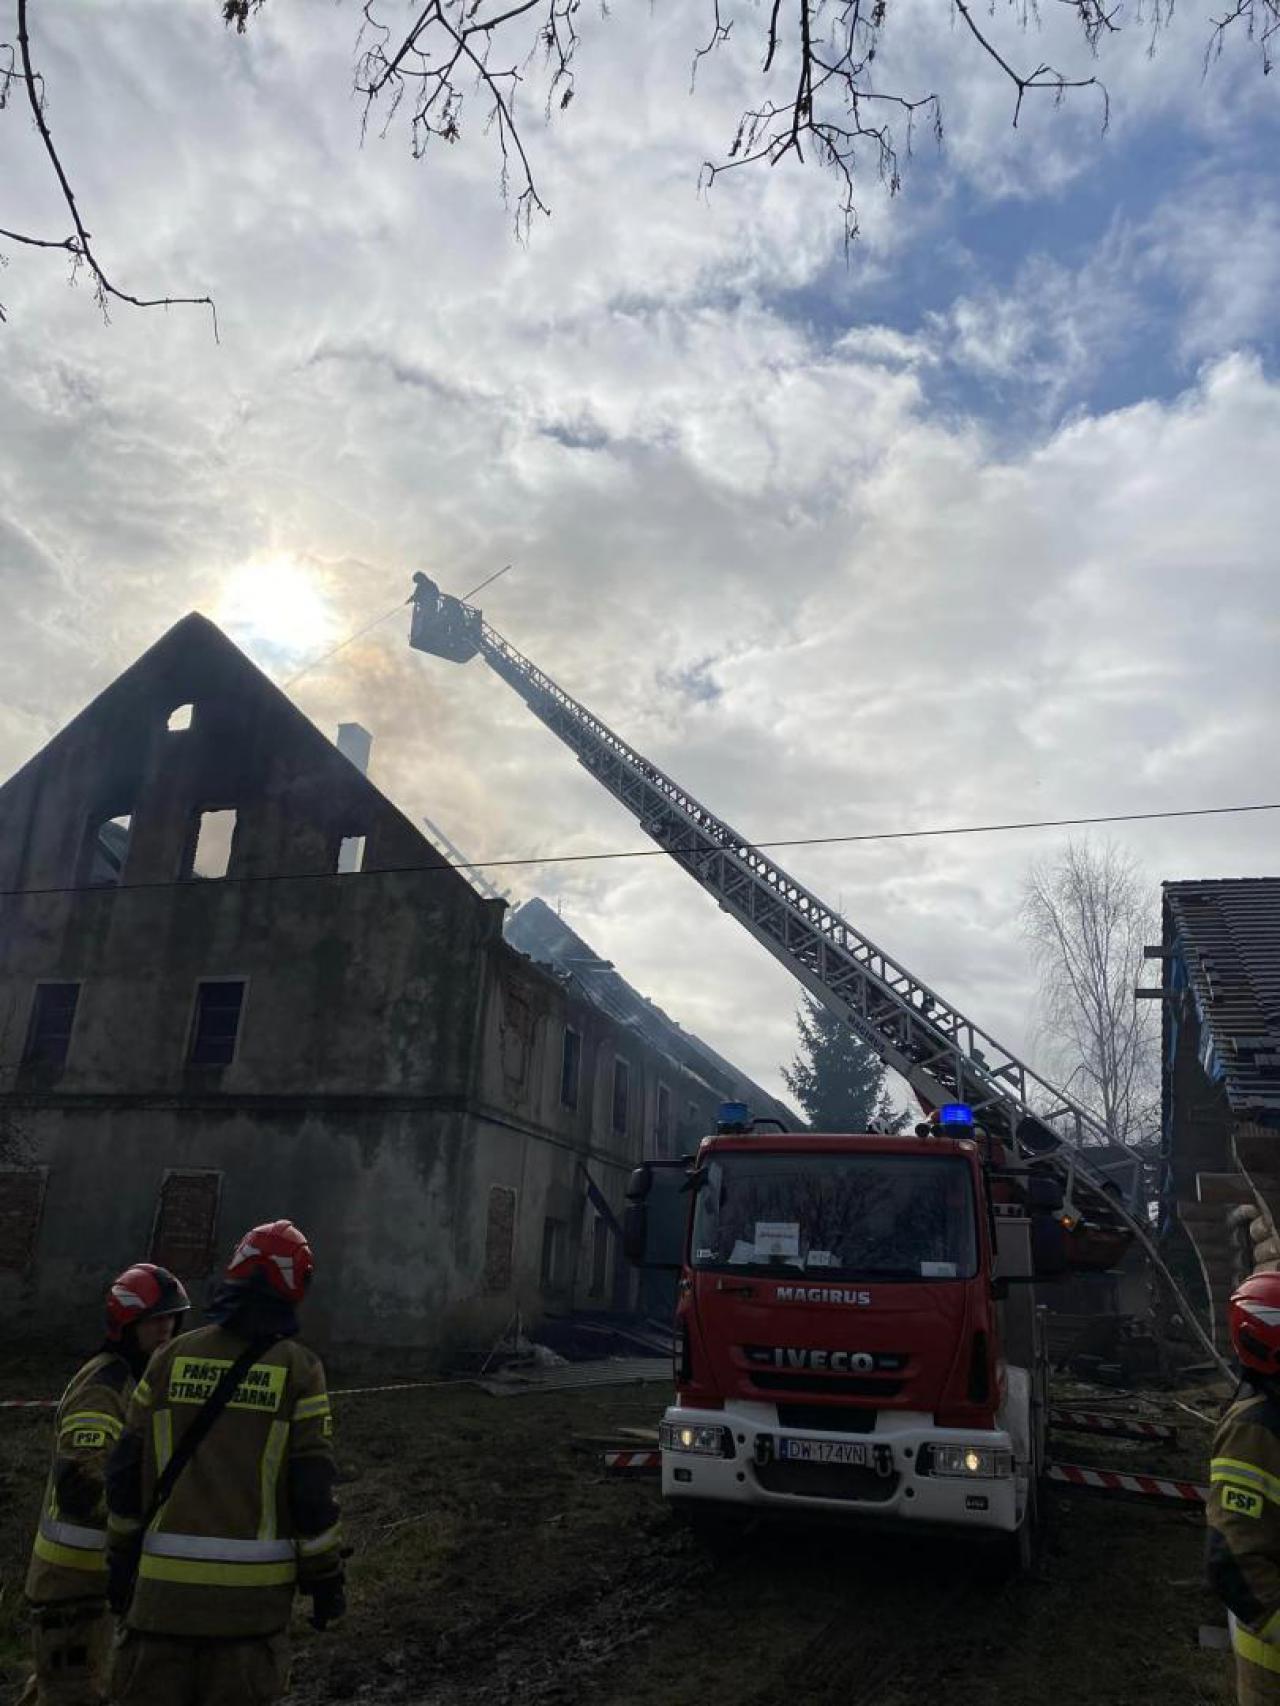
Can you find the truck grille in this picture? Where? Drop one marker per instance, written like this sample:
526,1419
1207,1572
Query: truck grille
828,1418
826,1481
829,1385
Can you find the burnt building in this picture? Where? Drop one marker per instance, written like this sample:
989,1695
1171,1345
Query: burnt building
1220,1145
237,983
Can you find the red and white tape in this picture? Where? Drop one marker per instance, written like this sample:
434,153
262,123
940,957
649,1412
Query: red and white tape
1119,1427
633,1462
1111,1481
29,1403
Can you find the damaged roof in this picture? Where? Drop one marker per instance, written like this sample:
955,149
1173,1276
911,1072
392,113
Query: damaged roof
1226,943
543,936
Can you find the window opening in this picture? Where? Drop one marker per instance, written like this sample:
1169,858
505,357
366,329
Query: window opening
351,853
553,1240
180,718
600,1257
570,1066
108,849
216,1024
621,1089
662,1120
214,837
53,1013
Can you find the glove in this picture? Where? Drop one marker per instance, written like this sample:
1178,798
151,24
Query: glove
328,1600
122,1573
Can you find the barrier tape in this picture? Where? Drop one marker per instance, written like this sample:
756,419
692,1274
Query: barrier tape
29,1403
633,1462
1111,1481
1118,1427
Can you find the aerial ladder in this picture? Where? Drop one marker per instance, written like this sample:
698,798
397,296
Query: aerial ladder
941,1053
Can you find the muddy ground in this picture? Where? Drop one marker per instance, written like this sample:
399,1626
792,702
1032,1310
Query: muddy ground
495,1561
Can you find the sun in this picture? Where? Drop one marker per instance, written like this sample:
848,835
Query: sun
276,605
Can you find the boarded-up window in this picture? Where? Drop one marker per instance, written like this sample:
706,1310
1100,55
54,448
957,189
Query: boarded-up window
187,1223
21,1199
499,1238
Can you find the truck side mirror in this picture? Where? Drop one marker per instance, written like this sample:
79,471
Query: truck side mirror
656,1217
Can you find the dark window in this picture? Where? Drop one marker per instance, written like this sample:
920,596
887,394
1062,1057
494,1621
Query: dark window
662,1120
621,1086
570,1064
499,1238
21,1199
217,1020
600,1257
553,1241
186,1223
53,1013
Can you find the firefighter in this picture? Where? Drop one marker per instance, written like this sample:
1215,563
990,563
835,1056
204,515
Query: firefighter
67,1581
250,1520
1243,1553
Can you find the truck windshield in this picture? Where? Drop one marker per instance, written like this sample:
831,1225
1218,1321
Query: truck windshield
907,1217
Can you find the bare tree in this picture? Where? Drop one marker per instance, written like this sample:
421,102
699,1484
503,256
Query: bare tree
19,78
1087,915
820,92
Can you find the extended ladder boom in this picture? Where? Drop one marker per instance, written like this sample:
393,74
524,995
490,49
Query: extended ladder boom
942,1054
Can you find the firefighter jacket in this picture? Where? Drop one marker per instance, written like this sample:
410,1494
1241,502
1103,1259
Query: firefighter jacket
1243,1550
68,1560
252,1516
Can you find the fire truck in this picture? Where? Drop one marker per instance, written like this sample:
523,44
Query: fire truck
856,1324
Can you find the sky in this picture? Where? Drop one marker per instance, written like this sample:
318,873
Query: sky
971,521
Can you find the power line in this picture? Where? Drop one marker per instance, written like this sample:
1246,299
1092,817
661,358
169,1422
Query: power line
662,852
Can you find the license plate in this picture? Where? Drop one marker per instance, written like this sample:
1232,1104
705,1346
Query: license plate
821,1451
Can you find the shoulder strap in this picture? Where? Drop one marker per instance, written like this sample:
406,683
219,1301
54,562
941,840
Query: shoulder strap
204,1419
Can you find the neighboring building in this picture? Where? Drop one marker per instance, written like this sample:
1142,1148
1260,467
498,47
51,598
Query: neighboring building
1220,1146
236,983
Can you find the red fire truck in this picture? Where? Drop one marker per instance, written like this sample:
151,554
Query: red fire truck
855,1328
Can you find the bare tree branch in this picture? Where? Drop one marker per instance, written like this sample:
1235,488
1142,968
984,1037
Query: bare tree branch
79,246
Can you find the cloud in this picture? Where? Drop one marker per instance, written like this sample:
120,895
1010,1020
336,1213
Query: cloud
846,546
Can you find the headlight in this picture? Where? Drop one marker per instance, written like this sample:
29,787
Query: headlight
970,1462
695,1437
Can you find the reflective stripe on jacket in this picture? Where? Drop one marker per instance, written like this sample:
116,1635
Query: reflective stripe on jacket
1243,1512
253,1512
68,1557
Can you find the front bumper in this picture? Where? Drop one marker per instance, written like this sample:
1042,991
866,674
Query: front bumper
890,1489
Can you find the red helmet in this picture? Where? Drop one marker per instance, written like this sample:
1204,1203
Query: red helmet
280,1253
139,1293
1253,1318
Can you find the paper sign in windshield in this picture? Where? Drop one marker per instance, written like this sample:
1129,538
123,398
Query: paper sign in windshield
777,1238
821,1259
937,1270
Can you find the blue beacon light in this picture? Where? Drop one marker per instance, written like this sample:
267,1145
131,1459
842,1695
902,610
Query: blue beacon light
955,1113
